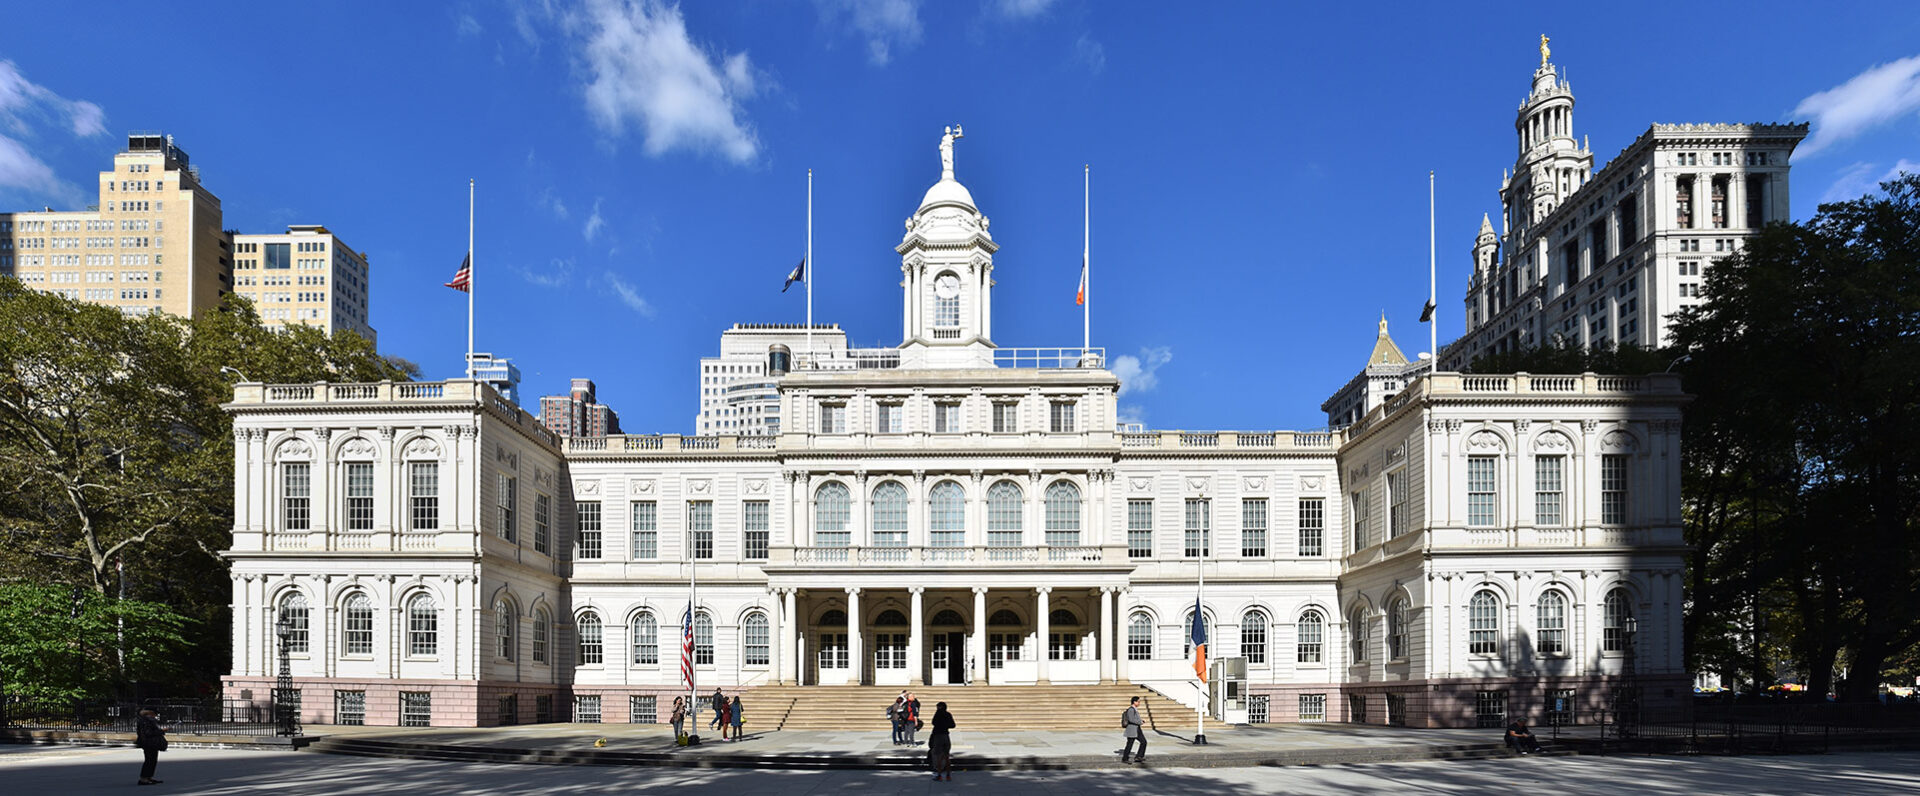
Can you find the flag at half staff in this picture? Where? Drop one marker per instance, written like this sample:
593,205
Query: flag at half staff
799,275
463,278
1426,313
1199,641
686,648
1081,297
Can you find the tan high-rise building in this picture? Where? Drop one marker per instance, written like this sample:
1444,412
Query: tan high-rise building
304,275
153,243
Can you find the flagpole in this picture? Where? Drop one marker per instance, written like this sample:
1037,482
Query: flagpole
806,273
1086,259
469,277
693,622
1200,618
1433,323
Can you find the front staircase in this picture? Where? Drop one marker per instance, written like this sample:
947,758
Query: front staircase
978,707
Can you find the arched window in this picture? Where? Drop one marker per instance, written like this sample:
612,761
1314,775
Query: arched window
890,618
1397,630
540,627
356,631
946,515
834,618
1358,634
1310,637
1061,617
1140,637
592,641
831,508
646,639
703,639
293,613
1006,504
947,617
1553,623
1063,514
1004,618
423,626
1618,613
890,515
1253,636
503,629
946,308
1483,623
758,640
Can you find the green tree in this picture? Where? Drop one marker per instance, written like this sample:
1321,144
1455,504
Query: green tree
64,643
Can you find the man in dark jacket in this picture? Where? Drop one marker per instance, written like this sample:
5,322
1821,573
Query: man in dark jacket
1135,732
151,737
719,703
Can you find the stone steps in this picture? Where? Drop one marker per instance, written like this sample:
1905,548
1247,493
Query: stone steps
984,708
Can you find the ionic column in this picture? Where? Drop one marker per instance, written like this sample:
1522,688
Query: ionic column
1106,634
916,667
789,643
1040,625
854,651
977,646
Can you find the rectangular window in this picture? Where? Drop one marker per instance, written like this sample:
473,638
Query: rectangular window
646,530
1357,708
946,417
1063,646
587,513
350,707
1481,492
1139,528
508,710
754,525
1199,528
1397,710
887,419
542,520
1549,490
1005,417
1560,707
833,418
357,630
1253,528
423,480
1003,647
543,708
643,709
586,709
508,503
700,527
1062,417
1313,526
1396,504
1490,709
1313,707
890,651
1359,512
1613,488
359,478
416,707
296,512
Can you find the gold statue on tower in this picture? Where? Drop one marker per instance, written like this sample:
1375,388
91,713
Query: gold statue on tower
1544,51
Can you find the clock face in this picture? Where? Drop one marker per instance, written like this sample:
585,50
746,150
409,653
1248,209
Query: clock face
947,286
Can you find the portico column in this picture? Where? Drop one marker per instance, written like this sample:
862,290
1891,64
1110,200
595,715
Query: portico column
853,636
1106,634
1120,661
916,667
789,643
1040,625
977,646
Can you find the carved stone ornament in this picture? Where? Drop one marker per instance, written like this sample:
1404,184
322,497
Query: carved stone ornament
1140,483
1552,442
322,434
1396,453
1484,441
386,433
1522,425
1255,483
1618,441
357,447
1453,426
293,449
1589,425
1313,484
757,486
700,487
422,447
1197,482
586,487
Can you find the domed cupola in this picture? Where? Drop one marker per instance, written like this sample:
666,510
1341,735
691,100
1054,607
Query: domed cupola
946,265
947,212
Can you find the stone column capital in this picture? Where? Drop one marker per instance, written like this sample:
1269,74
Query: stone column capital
853,590
979,590
916,590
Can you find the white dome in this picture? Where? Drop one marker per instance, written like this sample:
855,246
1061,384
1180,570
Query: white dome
947,192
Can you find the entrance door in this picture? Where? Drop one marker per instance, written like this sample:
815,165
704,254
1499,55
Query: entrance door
957,658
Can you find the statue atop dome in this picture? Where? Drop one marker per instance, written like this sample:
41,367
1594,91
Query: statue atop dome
946,151
1544,50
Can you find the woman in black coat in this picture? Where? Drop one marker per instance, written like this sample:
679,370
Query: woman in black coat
151,737
940,744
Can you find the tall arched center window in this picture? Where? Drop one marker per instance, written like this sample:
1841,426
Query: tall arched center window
946,518
1553,623
1005,507
1483,624
645,638
356,630
592,640
890,515
1617,614
1140,637
1311,634
1063,514
423,626
294,616
832,506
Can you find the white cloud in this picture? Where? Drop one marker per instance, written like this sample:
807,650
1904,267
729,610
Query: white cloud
594,223
1857,180
553,203
628,295
1131,413
557,273
26,111
466,25
1091,53
1869,99
644,69
20,169
885,24
1022,9
1139,374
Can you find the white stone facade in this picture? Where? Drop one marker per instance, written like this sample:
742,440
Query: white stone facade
957,512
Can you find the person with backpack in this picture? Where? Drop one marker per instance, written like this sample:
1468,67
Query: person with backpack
895,714
1134,730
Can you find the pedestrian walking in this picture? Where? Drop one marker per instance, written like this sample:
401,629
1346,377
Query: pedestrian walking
737,719
896,714
1134,731
151,736
719,701
940,744
912,725
679,719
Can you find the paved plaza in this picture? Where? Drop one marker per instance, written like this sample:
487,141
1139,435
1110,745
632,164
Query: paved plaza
71,771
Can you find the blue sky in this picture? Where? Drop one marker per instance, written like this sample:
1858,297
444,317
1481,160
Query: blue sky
1259,169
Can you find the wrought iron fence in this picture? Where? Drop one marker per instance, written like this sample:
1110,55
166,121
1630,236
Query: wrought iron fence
1786,728
212,716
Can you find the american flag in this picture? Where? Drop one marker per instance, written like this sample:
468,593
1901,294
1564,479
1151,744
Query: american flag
463,279
686,648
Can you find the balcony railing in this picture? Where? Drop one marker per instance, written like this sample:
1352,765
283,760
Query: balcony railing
666,443
1521,384
908,557
1229,440
889,358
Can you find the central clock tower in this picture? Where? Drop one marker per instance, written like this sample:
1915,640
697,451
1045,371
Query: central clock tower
946,266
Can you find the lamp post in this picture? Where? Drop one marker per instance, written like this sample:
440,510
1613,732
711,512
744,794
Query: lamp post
286,714
1626,697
